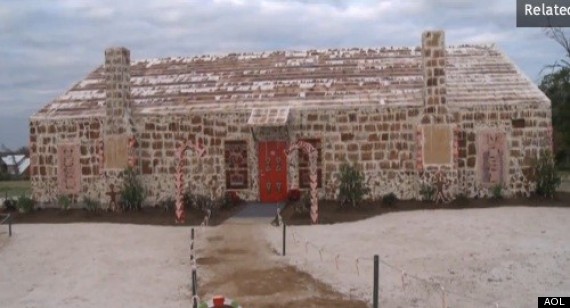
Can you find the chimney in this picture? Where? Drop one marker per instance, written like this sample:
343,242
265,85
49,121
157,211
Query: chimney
117,90
433,51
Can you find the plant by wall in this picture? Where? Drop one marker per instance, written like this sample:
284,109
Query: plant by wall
427,192
497,192
132,192
25,204
547,177
64,202
389,200
303,205
352,186
91,205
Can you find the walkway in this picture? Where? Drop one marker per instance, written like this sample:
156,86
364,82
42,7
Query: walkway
240,265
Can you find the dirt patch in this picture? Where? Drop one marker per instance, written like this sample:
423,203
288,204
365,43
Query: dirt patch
207,261
230,251
146,216
330,212
250,273
215,238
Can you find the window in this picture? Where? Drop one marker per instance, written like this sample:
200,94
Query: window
304,169
235,155
437,145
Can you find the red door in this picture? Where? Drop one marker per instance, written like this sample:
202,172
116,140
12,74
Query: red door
272,171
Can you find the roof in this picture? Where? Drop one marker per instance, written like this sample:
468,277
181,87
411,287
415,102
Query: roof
12,160
476,74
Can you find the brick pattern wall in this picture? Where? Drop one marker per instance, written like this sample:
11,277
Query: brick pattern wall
45,136
117,90
381,140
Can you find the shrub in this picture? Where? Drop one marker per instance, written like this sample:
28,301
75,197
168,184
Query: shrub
10,205
132,192
547,177
497,192
294,195
91,205
352,185
389,200
427,192
303,204
64,202
25,204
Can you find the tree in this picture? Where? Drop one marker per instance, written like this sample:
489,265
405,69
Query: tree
556,85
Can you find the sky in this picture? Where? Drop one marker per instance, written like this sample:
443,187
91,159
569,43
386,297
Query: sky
48,46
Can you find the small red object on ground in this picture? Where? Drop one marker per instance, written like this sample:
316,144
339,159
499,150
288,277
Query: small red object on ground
219,301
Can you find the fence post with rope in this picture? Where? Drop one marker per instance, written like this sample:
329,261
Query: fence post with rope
194,276
376,281
284,238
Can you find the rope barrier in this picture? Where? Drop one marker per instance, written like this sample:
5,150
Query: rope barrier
404,276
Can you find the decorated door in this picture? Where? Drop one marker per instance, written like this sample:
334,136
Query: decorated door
272,171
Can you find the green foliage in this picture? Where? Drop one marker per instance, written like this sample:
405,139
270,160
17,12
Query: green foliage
352,185
303,205
25,204
547,177
427,192
91,205
64,202
389,200
497,192
132,192
556,86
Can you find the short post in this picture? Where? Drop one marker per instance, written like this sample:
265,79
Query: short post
192,234
284,232
9,225
376,284
194,289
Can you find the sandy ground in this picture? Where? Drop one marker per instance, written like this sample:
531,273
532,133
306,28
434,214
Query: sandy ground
508,256
235,260
94,265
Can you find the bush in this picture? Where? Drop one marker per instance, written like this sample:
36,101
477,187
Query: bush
427,192
497,192
303,204
10,205
25,204
91,205
547,177
389,200
132,193
64,202
352,185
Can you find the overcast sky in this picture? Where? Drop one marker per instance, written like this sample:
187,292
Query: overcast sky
47,46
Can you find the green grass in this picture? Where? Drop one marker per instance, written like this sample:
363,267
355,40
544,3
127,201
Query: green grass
14,188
